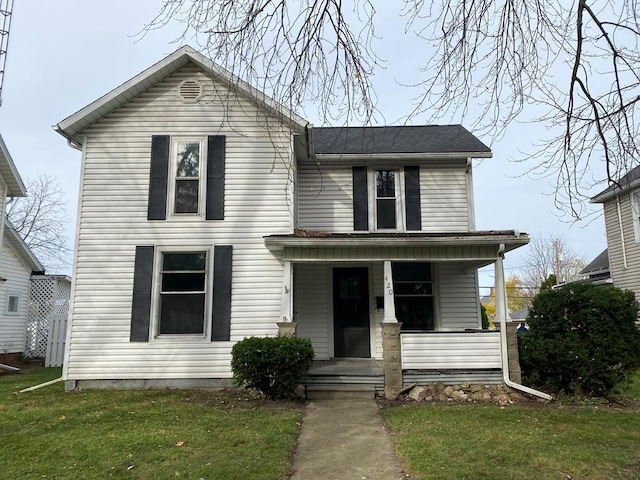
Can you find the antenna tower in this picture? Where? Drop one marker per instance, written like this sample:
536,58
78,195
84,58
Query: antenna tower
5,22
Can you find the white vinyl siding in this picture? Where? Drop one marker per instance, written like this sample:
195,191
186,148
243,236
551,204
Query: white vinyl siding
325,198
623,277
12,325
457,297
312,308
444,202
113,221
450,350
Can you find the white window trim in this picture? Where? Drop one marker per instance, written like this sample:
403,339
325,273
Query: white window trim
157,286
635,209
202,187
400,199
12,293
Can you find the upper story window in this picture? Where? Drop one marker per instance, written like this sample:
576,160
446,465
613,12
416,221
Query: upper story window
188,178
386,203
386,199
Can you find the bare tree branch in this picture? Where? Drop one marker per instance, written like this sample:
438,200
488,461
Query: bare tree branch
573,67
41,220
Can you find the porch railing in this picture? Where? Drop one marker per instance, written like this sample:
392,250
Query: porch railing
451,350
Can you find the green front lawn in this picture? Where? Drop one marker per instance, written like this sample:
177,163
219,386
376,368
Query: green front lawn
517,442
149,434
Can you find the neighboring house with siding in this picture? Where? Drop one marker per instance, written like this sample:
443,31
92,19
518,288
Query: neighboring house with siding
208,213
621,203
17,264
11,186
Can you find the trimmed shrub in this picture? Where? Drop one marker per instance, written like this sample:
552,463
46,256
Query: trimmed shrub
273,365
582,339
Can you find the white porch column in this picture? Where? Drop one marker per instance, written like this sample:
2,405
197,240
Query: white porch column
286,325
501,292
389,302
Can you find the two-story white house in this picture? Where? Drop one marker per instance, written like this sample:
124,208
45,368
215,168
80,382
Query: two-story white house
208,214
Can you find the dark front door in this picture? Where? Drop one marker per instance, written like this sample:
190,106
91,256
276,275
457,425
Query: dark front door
351,312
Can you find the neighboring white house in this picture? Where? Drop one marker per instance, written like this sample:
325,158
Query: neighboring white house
11,185
208,214
621,203
17,264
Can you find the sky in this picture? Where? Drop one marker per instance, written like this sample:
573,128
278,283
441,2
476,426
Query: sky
63,55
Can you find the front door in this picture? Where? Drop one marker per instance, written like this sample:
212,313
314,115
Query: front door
351,312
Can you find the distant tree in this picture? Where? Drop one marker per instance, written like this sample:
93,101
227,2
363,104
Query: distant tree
517,297
41,220
485,316
548,282
550,259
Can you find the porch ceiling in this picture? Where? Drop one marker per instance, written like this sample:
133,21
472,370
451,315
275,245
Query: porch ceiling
474,248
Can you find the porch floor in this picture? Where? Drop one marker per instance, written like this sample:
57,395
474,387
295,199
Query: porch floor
367,367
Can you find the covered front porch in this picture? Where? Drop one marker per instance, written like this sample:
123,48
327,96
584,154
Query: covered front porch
407,303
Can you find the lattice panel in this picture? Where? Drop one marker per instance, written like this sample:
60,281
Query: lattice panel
48,303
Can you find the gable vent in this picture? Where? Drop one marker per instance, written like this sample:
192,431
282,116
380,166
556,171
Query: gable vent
190,91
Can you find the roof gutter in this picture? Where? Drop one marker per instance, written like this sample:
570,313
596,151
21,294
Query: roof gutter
70,140
402,156
501,310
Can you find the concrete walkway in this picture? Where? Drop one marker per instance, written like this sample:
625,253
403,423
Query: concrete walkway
344,440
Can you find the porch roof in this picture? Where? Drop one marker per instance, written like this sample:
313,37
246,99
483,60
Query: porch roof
477,248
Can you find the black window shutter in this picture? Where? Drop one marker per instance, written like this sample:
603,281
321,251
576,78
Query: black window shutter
215,177
141,304
360,199
412,194
157,208
222,268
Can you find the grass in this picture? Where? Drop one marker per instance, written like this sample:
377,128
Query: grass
150,434
630,390
518,442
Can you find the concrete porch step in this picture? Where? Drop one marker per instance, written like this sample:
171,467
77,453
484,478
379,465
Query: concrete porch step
340,392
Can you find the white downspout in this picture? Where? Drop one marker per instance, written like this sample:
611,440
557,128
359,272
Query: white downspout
624,248
501,312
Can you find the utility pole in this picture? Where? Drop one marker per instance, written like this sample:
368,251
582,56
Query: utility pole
6,6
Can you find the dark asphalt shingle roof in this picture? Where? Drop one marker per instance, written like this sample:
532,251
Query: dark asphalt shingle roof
624,182
400,139
599,264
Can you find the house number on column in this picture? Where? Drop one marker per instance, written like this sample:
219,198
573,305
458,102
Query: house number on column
388,285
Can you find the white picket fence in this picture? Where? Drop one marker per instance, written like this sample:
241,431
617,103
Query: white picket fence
47,318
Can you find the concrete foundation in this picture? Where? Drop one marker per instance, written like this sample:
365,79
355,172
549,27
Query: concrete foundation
145,384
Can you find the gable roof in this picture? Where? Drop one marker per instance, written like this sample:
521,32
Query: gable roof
71,126
9,173
629,181
440,140
23,251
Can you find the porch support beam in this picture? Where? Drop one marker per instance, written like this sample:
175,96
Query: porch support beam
389,301
286,326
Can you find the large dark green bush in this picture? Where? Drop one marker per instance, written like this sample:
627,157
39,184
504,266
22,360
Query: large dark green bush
274,365
582,339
